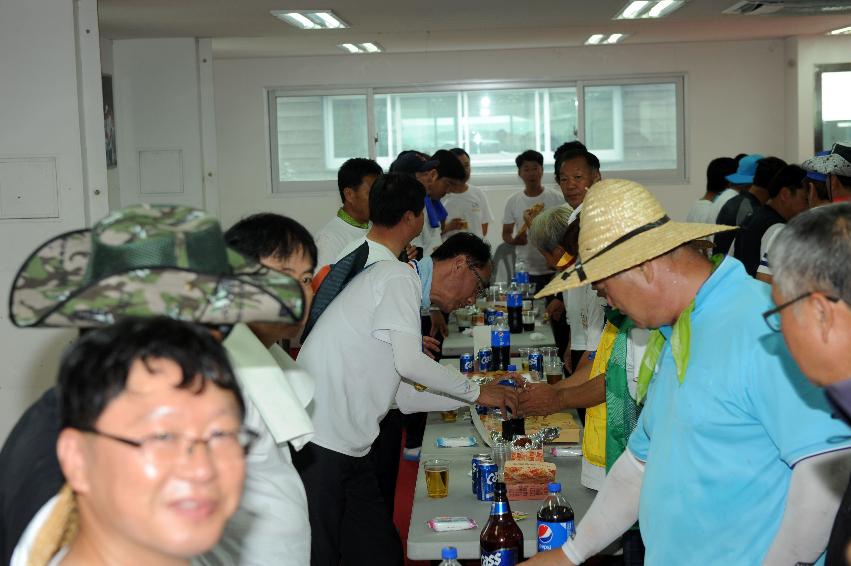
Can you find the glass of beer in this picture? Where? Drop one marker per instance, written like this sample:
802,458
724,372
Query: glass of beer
553,369
524,359
449,416
437,477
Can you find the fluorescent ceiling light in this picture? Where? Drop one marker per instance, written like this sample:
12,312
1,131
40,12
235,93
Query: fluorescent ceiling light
601,38
632,10
840,31
310,19
640,9
369,47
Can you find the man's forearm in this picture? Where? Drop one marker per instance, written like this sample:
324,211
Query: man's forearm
814,496
588,394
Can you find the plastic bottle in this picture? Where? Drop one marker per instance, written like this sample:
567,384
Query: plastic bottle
514,301
555,520
500,344
501,541
449,556
513,426
520,273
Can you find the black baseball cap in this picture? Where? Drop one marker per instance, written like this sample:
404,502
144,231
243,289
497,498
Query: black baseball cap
410,161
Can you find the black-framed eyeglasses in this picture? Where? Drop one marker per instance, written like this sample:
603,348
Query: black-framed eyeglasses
481,286
166,448
772,317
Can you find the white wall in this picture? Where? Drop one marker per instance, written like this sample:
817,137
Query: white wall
41,130
734,103
803,54
158,120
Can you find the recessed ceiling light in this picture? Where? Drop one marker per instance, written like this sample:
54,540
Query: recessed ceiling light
601,38
840,31
310,19
639,9
369,47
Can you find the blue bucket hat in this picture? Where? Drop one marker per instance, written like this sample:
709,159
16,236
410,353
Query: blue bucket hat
747,167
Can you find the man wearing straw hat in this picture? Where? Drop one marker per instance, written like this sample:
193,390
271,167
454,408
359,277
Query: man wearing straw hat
141,261
730,427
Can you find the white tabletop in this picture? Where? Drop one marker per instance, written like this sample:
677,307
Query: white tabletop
425,544
456,343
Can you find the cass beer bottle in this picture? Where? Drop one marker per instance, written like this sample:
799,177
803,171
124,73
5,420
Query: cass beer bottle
502,540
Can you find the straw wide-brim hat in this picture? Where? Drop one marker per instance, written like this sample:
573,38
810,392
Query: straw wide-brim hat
622,225
148,260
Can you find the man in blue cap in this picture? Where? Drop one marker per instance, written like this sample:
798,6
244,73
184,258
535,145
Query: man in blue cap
758,172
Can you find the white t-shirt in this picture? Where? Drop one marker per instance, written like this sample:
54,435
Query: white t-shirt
350,348
702,212
517,204
765,248
271,525
429,239
377,252
472,206
333,237
26,544
586,317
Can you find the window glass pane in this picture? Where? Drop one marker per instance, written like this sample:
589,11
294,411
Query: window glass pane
562,116
316,134
632,127
835,109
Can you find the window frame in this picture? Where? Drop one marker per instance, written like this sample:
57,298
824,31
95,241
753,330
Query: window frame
678,175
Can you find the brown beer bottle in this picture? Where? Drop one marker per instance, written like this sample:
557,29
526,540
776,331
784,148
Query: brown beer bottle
501,541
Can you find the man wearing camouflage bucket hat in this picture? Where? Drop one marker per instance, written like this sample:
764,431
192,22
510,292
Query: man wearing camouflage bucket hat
731,436
141,261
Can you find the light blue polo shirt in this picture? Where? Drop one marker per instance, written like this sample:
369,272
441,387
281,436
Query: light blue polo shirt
720,447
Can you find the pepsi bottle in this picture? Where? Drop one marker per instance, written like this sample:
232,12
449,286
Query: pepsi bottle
500,345
555,520
514,300
501,541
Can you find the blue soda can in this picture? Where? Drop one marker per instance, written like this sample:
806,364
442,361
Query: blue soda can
474,466
466,362
486,480
490,317
536,362
485,356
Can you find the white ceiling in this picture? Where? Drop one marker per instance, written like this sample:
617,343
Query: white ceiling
245,28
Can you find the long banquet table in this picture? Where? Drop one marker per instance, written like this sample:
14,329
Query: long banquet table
425,544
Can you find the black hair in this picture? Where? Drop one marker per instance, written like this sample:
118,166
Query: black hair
459,151
394,194
529,155
478,251
574,145
94,369
790,176
766,169
739,157
716,173
570,240
448,165
351,173
267,234
820,188
843,180
572,153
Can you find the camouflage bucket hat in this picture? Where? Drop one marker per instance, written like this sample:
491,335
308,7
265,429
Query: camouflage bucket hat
148,260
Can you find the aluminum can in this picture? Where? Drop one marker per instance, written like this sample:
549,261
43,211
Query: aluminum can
484,357
486,480
490,317
536,362
474,466
466,362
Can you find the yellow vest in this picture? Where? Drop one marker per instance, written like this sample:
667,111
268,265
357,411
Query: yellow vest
594,438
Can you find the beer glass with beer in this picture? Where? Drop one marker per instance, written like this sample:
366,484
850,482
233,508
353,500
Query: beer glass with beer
437,477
